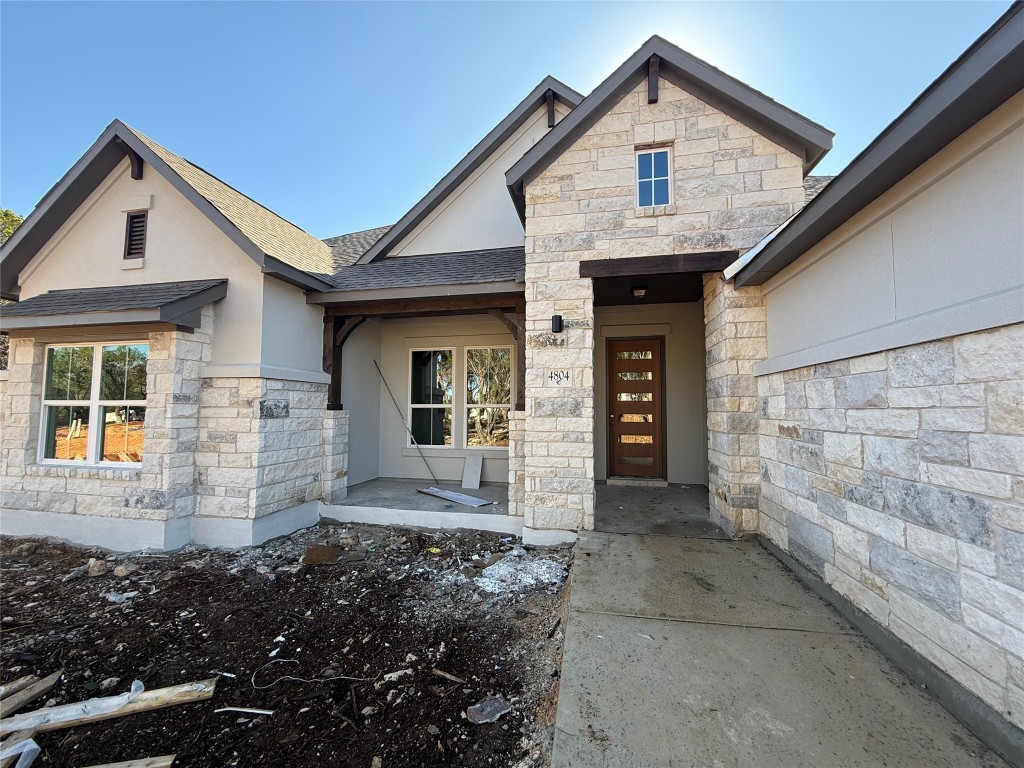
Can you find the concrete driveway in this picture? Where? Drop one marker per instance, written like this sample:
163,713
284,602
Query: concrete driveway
702,652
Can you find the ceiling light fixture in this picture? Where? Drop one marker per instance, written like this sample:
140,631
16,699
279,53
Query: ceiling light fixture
639,291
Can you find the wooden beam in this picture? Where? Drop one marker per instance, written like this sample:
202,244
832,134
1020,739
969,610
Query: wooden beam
134,158
329,331
350,324
508,323
713,261
549,98
447,305
652,79
27,695
164,761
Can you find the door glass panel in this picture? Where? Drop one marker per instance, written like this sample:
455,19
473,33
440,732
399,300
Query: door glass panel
635,376
123,433
636,439
634,397
643,354
636,418
68,373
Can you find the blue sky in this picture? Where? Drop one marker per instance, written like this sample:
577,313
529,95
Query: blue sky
339,116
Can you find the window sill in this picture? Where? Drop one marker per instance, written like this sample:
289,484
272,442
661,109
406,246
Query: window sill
457,453
89,472
133,263
655,210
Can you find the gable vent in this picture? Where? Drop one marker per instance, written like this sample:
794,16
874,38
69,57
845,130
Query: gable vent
135,236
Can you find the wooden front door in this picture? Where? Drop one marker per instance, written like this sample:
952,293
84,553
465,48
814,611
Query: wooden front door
636,407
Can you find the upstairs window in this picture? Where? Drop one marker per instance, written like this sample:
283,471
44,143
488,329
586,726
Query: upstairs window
94,404
135,235
652,178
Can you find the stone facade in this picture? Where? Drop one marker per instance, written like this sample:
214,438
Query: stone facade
516,462
735,338
899,478
215,449
731,187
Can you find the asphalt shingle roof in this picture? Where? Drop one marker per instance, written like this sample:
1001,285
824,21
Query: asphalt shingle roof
346,249
275,236
73,301
463,268
813,186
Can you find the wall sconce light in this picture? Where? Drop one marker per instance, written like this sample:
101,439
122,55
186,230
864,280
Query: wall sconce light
556,323
639,291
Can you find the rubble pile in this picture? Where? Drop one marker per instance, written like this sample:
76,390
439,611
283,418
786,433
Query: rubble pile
355,645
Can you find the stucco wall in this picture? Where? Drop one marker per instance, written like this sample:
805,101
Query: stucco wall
730,186
682,325
899,478
292,334
361,396
479,213
940,254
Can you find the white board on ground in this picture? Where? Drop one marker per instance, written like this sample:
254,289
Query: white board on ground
471,472
458,498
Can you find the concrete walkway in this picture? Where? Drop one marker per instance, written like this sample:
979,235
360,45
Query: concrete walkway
697,652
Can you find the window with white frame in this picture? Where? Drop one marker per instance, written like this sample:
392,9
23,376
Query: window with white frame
431,398
94,403
488,396
652,178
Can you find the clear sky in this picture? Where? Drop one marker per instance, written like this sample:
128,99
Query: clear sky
339,116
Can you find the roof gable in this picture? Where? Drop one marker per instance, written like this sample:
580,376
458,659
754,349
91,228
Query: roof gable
686,71
276,245
476,157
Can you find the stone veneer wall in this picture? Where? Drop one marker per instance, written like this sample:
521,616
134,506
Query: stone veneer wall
261,446
163,489
516,462
899,478
735,328
334,474
731,187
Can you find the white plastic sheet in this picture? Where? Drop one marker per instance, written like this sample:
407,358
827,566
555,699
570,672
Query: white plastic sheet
65,712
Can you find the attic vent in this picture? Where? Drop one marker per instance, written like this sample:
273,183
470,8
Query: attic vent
135,236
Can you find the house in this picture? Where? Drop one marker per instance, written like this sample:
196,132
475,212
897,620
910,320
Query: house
628,287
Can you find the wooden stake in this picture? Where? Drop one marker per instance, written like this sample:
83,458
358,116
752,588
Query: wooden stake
16,701
146,702
17,685
164,761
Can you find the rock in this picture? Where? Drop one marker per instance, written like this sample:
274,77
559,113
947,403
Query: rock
321,554
376,763
433,730
28,548
109,683
127,569
368,711
97,567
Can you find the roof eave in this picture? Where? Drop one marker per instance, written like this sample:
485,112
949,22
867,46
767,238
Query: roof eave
473,160
341,297
980,80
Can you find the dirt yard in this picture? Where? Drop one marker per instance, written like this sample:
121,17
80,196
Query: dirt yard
370,661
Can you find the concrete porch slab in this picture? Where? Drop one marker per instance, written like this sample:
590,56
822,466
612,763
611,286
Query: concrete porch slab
683,652
674,510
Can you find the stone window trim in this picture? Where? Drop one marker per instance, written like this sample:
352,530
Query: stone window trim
459,406
95,403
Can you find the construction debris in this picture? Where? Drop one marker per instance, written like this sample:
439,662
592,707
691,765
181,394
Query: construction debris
378,652
29,693
488,710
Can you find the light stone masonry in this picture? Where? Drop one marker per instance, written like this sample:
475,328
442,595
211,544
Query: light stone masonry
730,188
908,498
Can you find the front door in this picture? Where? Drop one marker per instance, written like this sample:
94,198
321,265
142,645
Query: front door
636,403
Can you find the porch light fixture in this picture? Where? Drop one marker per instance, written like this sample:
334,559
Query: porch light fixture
556,323
639,291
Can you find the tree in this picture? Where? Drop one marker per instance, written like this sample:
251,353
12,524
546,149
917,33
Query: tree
9,222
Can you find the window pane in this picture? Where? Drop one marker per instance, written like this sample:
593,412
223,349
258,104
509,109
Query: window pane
122,437
646,195
489,376
643,354
432,426
67,433
634,397
660,164
123,372
432,377
68,373
643,166
487,427
661,192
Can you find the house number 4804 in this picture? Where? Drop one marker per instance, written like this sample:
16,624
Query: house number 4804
559,377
